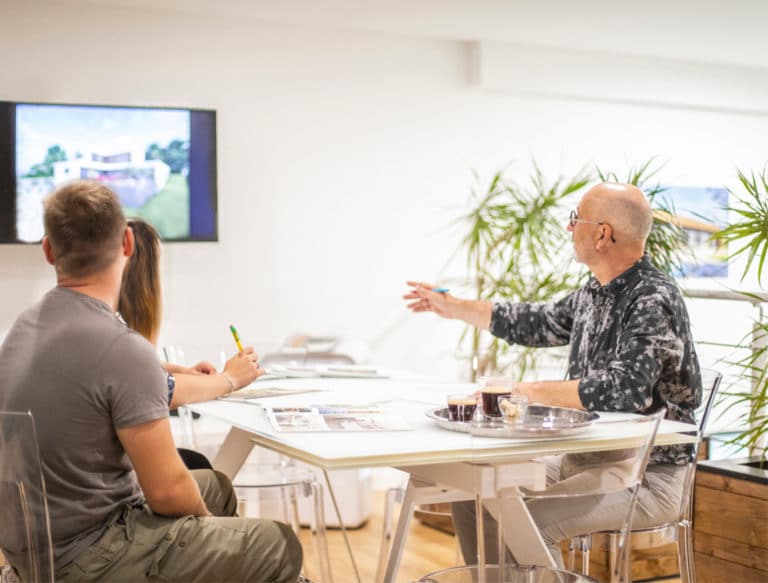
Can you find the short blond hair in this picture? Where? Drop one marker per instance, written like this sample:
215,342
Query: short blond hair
85,225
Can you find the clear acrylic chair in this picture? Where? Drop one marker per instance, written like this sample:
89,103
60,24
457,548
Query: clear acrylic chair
679,531
526,508
25,534
291,481
510,574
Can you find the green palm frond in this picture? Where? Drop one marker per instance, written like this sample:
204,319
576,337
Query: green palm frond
751,230
514,244
750,235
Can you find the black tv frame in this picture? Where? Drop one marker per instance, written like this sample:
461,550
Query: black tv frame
207,158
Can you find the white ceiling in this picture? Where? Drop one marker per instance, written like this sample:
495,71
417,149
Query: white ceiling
719,31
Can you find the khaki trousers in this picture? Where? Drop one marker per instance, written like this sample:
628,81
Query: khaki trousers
141,546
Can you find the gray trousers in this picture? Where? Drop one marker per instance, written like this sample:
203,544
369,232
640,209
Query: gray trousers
141,546
558,519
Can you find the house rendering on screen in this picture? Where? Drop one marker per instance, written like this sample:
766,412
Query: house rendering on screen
134,179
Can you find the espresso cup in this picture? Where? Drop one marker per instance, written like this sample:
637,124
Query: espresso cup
493,388
461,407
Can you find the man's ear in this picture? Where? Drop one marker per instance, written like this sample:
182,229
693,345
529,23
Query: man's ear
128,242
48,250
605,235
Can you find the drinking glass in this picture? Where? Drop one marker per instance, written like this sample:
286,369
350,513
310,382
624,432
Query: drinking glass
461,407
492,389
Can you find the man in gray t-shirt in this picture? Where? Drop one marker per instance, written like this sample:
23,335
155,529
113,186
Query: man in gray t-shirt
83,375
122,505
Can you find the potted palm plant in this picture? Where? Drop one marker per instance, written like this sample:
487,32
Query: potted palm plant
750,234
731,498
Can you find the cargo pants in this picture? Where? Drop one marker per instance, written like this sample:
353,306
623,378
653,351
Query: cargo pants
141,546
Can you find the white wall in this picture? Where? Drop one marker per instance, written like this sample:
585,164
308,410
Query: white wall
342,158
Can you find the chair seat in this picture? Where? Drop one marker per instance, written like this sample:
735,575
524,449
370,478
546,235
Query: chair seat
656,536
512,574
270,476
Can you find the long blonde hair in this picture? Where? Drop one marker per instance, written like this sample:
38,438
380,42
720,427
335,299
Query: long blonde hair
140,302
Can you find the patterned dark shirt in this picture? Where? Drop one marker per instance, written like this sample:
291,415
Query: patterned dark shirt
631,345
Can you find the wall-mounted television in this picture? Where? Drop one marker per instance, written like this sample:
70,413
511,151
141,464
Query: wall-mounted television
161,162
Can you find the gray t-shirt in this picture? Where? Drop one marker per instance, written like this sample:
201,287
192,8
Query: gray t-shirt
83,374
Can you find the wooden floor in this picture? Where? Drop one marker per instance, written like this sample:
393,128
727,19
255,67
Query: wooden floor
426,550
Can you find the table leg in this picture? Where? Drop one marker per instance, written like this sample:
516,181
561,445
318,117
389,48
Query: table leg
520,533
393,496
417,492
483,482
480,533
401,533
233,452
341,524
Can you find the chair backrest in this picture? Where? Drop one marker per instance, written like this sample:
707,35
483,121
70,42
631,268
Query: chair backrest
25,531
600,472
625,465
710,382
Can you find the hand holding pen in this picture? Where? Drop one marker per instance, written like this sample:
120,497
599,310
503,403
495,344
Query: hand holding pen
430,298
243,368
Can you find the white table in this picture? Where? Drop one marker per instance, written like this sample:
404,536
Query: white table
442,464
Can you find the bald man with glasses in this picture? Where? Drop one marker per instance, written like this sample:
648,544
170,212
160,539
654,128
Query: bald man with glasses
631,350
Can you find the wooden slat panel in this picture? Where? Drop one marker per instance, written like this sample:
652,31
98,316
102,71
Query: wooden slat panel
441,522
729,550
712,570
731,516
742,487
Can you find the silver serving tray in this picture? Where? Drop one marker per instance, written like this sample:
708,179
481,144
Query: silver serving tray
539,421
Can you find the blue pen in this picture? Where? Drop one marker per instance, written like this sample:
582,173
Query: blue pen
441,290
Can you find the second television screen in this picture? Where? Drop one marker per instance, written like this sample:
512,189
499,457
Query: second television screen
143,154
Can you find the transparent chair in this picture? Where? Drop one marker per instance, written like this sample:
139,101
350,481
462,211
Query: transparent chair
510,574
679,531
290,480
529,501
25,535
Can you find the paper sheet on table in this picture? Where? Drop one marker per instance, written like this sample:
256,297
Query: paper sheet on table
252,393
351,371
307,419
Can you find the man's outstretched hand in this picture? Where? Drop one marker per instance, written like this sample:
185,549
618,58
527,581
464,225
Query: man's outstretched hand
426,300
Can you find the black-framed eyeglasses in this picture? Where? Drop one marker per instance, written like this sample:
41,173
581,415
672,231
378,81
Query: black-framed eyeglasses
573,218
